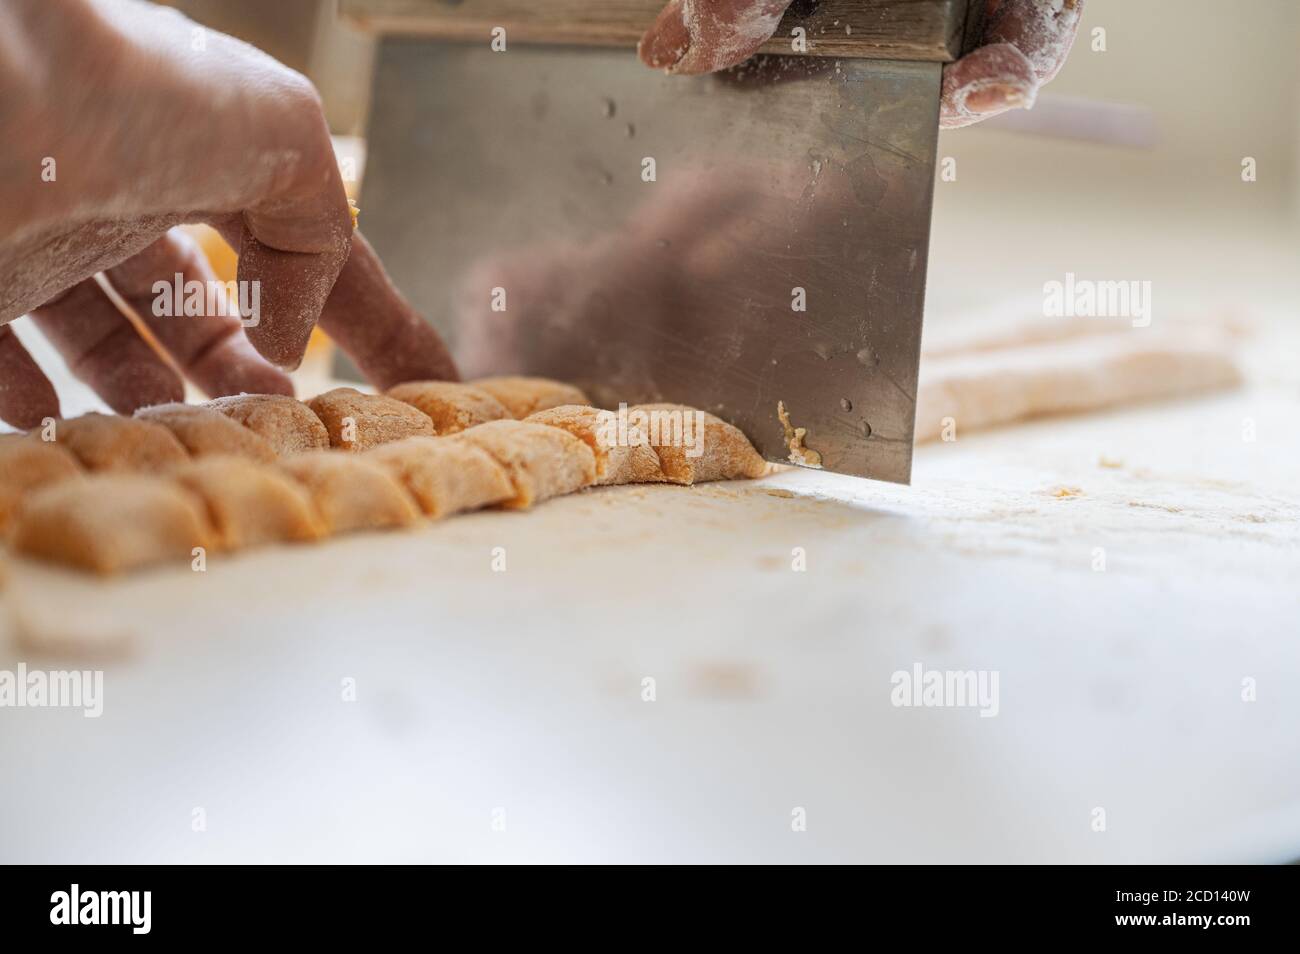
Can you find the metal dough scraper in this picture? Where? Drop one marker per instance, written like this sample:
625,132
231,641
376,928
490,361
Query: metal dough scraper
753,242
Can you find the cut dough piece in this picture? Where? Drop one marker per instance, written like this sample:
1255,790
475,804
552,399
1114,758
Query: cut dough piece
523,396
288,425
444,476
357,421
622,449
695,446
250,504
204,431
351,492
111,522
106,442
451,406
541,461
29,465
1000,387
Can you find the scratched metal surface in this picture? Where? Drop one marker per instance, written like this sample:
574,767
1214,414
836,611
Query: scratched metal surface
525,172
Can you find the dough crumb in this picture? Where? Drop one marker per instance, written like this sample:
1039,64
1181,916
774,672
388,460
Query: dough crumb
799,454
779,492
1067,492
1110,463
1154,506
724,679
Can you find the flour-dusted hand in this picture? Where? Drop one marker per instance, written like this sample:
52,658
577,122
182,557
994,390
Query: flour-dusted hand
1024,45
122,120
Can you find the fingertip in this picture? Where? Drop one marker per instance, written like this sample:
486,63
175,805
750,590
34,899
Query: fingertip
135,384
986,82
287,291
233,367
26,395
383,334
666,42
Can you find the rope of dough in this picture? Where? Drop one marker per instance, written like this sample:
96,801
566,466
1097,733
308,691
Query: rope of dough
110,494
1010,379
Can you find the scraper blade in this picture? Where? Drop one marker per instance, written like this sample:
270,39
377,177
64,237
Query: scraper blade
753,243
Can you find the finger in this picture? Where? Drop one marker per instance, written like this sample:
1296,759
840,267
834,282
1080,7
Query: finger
699,36
163,285
1026,43
1043,30
26,395
985,82
103,349
377,327
293,282
294,240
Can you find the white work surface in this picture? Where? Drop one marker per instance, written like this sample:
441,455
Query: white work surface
478,690
517,695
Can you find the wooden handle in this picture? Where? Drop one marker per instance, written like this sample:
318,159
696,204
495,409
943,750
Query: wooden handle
931,30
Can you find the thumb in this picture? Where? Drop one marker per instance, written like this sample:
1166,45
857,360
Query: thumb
699,36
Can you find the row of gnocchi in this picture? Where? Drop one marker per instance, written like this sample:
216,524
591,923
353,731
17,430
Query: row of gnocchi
108,494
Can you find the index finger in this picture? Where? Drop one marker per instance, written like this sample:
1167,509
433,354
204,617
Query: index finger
369,319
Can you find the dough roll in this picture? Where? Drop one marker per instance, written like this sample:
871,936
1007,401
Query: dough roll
236,491
541,461
357,421
351,491
203,431
27,465
451,405
622,449
695,446
106,442
983,390
288,425
108,523
445,476
249,504
523,396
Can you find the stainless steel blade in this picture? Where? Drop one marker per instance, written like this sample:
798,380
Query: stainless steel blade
729,241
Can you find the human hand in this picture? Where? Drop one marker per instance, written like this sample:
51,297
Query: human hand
122,120
1025,43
